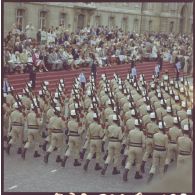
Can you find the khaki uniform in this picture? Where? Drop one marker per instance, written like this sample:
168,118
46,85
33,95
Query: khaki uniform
143,109
6,118
49,114
136,142
87,103
151,129
160,145
33,124
56,126
157,105
108,111
26,101
168,119
127,116
17,127
154,99
114,135
173,135
10,99
146,119
185,147
182,114
126,107
74,142
185,122
95,134
159,111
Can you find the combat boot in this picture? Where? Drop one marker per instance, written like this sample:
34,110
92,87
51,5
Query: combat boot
58,159
44,135
94,155
46,157
124,161
97,167
115,171
8,148
104,169
64,161
19,151
24,153
150,178
105,156
123,149
137,175
44,146
36,154
85,167
125,174
77,163
82,154
143,166
165,168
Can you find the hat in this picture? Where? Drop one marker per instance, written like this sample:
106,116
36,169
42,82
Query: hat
171,82
46,82
94,115
175,120
89,93
145,99
152,115
134,84
15,105
160,125
159,95
152,85
56,95
40,92
186,128
130,105
189,112
5,95
120,87
166,89
61,81
168,109
109,102
181,90
55,101
76,105
191,88
133,112
148,108
183,104
171,92
58,108
72,113
114,117
137,122
32,106
176,98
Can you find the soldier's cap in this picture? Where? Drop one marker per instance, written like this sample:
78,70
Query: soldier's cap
109,102
120,86
134,84
171,82
176,86
176,98
133,112
20,96
181,79
191,88
161,84
152,115
94,115
145,99
32,106
152,85
189,112
56,95
160,125
159,95
73,113
130,105
89,93
153,76
148,108
59,89
61,84
181,90
5,95
76,105
40,92
61,81
15,105
171,92
168,109
166,89
175,120
46,82
44,87
55,101
57,108
114,117
186,128
137,122
183,104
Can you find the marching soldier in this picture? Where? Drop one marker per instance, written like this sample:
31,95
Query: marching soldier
95,134
56,126
173,134
160,144
151,129
74,143
17,128
185,147
136,142
34,121
114,135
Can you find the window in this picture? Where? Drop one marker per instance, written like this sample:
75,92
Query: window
124,24
20,18
135,25
63,19
150,26
97,21
111,22
165,7
171,27
43,19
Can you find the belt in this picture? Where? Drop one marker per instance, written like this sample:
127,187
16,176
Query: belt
134,144
114,139
16,124
73,133
150,136
95,137
33,127
57,131
185,153
159,148
173,142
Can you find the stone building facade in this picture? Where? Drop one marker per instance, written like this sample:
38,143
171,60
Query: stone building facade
138,17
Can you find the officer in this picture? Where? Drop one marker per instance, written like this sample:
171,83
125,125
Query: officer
74,143
151,129
168,119
95,135
185,147
160,144
187,120
17,128
34,121
173,134
136,142
56,126
114,135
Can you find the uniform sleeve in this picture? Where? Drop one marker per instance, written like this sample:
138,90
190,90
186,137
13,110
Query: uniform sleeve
120,136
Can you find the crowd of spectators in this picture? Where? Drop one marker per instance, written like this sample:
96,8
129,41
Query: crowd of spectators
56,48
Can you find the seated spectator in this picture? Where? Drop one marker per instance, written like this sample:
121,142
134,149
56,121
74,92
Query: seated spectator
54,60
63,57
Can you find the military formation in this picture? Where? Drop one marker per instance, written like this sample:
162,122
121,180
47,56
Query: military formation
124,122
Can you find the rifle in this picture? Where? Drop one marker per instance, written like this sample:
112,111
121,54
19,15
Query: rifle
188,123
77,114
163,125
171,106
179,124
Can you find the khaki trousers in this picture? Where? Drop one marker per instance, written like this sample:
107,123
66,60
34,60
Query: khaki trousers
149,148
17,134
